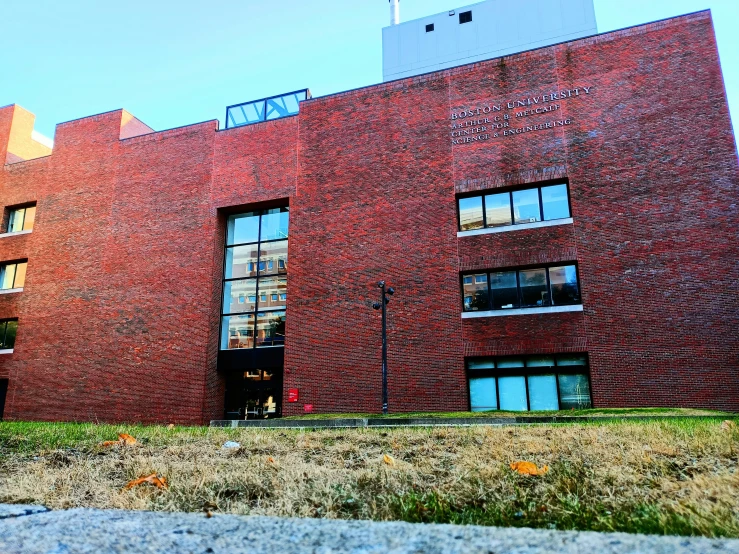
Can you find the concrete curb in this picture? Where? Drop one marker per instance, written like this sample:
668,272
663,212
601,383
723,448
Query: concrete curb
91,531
356,423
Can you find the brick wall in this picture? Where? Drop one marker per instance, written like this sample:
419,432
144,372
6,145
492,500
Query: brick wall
120,312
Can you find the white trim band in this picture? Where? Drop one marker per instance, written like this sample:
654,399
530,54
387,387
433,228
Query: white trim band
7,351
8,291
3,235
519,227
524,311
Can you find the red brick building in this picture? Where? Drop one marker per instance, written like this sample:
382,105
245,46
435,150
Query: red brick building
559,227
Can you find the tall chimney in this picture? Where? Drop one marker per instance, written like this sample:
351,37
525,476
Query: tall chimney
394,12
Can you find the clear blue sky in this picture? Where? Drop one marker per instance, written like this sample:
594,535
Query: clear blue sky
174,63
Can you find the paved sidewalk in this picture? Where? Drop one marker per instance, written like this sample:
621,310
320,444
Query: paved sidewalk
24,530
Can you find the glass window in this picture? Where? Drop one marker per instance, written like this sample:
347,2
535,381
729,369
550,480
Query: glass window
8,331
237,331
470,213
468,280
540,361
509,362
272,251
574,359
526,206
275,224
476,294
498,209
512,392
235,294
565,289
271,287
504,289
533,288
543,392
270,329
483,394
241,261
242,228
555,202
7,276
574,392
21,219
486,363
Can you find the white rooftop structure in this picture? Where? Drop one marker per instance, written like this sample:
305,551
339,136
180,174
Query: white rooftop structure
489,29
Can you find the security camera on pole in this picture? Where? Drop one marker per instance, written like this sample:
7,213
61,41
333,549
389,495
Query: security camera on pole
377,305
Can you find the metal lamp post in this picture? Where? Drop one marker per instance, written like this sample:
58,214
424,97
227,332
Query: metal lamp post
377,305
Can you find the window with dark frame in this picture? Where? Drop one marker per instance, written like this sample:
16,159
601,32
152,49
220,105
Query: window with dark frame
523,383
8,331
514,207
13,275
505,289
465,17
429,27
21,218
254,241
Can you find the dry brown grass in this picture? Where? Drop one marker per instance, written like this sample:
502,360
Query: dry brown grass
674,477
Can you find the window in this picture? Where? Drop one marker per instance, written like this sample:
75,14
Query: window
514,207
13,275
254,286
553,382
8,330
521,288
21,219
465,17
429,27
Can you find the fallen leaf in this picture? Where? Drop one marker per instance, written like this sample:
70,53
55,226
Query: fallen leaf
727,425
529,468
153,479
170,426
123,440
271,460
388,460
126,439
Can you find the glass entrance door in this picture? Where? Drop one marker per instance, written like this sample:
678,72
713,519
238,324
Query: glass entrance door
254,394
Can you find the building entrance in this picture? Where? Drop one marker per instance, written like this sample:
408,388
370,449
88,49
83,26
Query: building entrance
254,394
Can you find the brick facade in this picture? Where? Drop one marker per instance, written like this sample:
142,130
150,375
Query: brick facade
119,316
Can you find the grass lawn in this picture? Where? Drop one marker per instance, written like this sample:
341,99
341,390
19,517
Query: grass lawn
674,477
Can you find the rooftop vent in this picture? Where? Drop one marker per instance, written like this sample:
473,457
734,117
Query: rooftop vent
265,109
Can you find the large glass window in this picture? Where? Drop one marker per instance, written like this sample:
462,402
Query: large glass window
21,219
521,288
514,207
13,276
255,279
541,383
8,330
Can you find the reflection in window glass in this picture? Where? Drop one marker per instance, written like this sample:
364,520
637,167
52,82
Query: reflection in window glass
509,362
274,257
555,203
8,330
270,329
483,394
498,209
540,361
565,289
543,392
526,206
504,289
275,224
485,363
533,288
7,276
512,391
237,331
470,213
242,228
235,294
574,359
476,293
241,261
574,392
269,292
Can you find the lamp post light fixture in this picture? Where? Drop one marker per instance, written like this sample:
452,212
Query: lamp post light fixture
377,305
